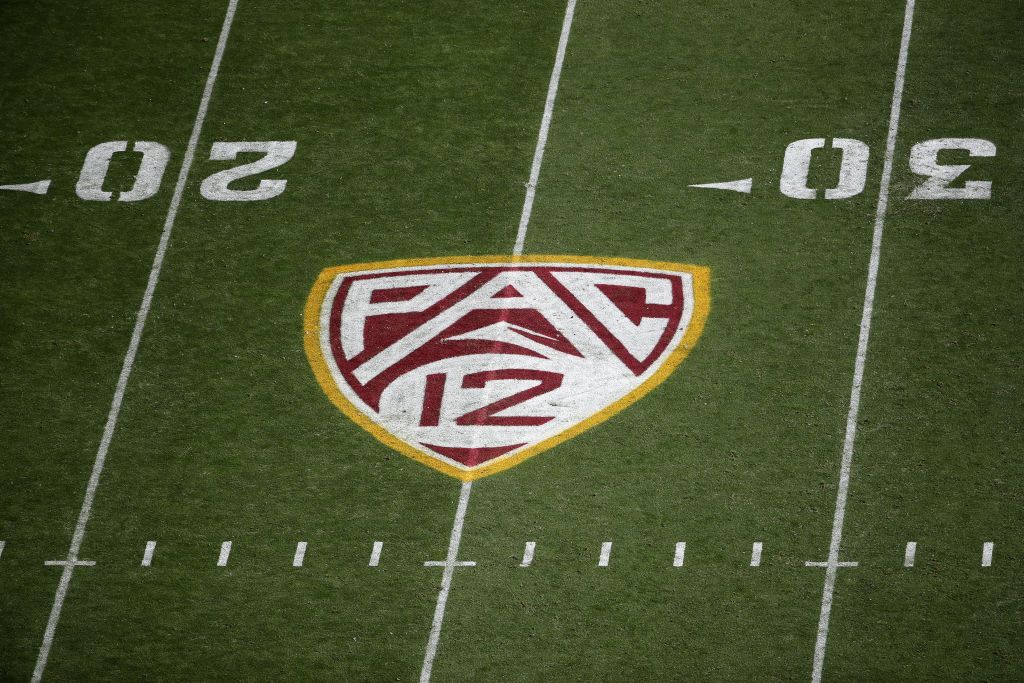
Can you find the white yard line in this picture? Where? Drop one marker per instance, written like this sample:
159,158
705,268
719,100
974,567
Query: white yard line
833,564
517,250
606,554
545,125
133,347
446,581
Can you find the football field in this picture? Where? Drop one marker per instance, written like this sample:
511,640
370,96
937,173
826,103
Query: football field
735,292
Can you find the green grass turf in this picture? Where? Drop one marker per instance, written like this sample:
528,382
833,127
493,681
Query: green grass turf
73,272
415,127
939,459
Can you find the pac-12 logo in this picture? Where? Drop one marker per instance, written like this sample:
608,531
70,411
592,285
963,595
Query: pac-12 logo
472,365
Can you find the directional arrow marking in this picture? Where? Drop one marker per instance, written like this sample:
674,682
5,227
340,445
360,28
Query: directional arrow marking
41,187
743,186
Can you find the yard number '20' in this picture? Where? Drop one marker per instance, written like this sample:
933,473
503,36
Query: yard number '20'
153,164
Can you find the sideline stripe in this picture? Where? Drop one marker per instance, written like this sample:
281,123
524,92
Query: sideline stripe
680,556
909,554
378,547
755,555
225,553
862,349
986,554
133,347
147,554
528,551
300,554
517,250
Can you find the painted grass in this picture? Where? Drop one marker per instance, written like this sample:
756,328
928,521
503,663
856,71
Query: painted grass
415,127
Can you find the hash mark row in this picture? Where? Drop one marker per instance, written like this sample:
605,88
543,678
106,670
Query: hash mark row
529,553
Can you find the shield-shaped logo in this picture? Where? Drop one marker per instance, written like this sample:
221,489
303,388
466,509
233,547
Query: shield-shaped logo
472,365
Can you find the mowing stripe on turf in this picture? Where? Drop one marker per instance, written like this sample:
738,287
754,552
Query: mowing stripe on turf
133,348
833,564
517,250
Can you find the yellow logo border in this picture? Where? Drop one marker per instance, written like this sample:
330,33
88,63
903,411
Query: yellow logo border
702,304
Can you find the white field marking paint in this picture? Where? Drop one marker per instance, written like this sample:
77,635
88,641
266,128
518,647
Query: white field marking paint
435,409
606,554
796,166
986,554
924,161
909,554
378,547
300,554
446,582
680,555
524,222
275,153
225,553
2,545
528,552
41,187
64,563
133,347
147,179
755,555
853,169
94,171
147,554
829,564
862,350
744,186
545,126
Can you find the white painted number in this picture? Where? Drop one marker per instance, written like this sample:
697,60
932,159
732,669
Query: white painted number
97,163
853,172
275,153
924,160
154,162
796,166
